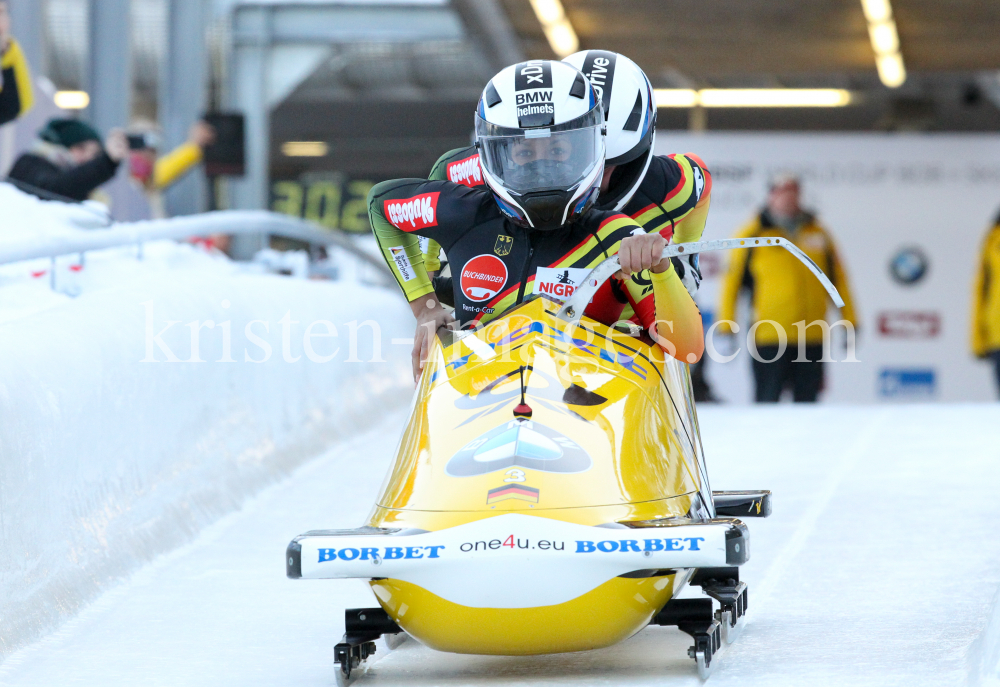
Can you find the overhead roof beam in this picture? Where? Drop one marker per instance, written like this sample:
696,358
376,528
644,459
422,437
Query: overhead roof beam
335,23
489,27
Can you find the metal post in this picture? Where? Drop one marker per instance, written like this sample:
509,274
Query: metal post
248,94
28,20
697,119
109,73
183,89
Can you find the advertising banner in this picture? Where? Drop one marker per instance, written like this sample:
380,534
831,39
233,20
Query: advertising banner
908,213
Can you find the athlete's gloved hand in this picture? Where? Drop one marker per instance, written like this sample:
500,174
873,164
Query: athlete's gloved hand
688,270
642,252
430,316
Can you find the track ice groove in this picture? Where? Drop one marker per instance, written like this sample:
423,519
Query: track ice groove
807,523
878,567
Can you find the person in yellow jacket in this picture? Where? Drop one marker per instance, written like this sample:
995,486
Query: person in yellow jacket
16,95
783,293
986,302
157,173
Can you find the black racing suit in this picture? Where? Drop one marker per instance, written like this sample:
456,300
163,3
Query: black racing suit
497,264
673,199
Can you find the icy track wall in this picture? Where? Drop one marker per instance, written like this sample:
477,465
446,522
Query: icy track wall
107,461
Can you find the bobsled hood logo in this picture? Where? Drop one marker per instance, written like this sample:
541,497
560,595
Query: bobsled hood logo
414,213
519,443
482,277
466,172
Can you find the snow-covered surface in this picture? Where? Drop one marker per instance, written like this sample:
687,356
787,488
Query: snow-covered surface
879,567
26,217
110,455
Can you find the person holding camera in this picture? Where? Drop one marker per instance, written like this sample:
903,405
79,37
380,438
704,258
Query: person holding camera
68,161
155,173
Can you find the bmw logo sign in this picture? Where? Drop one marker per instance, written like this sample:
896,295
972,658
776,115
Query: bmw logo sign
908,265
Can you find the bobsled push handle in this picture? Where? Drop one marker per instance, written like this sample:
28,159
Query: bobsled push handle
573,308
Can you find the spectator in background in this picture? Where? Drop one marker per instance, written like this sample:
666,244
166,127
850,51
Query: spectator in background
784,291
68,160
16,96
154,173
986,302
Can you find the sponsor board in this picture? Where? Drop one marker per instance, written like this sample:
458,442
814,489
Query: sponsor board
559,282
402,262
483,277
916,384
466,172
902,324
414,213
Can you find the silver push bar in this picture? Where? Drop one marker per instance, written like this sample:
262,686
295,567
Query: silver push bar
572,309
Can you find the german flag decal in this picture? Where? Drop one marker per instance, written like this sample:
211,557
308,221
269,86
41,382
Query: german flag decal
512,491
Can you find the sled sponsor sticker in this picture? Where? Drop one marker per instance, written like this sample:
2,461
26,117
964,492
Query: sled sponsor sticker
375,553
466,172
402,262
637,545
483,277
559,282
510,542
414,213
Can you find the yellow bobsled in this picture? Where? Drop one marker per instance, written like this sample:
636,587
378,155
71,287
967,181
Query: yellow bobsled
549,494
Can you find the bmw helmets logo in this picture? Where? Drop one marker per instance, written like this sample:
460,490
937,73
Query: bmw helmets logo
519,443
909,265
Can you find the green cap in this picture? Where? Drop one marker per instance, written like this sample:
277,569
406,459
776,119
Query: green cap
68,132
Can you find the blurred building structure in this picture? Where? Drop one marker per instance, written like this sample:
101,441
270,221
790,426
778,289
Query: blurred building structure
379,88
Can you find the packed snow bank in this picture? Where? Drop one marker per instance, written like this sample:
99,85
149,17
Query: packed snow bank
158,399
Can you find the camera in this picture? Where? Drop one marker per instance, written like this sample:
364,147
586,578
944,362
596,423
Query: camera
143,141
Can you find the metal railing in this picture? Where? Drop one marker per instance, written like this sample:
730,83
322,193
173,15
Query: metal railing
179,228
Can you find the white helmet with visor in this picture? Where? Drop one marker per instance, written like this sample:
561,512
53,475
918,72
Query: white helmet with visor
540,134
630,112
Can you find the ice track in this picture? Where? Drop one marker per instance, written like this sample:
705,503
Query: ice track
879,566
